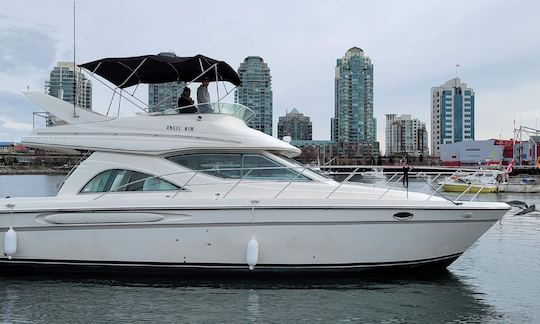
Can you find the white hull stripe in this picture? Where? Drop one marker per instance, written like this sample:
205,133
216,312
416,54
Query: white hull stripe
154,225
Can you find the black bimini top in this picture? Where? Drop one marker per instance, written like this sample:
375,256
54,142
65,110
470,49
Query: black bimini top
128,71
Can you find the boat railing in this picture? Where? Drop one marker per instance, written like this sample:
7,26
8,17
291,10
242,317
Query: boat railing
389,185
224,108
46,117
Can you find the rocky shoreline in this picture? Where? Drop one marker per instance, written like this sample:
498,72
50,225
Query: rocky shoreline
32,170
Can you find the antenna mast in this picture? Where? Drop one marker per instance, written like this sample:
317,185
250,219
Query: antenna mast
74,68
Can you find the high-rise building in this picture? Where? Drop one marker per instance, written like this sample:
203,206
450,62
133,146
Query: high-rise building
256,92
353,119
405,136
61,85
295,125
163,96
452,114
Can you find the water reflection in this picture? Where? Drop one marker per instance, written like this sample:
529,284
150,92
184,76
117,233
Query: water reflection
29,185
440,298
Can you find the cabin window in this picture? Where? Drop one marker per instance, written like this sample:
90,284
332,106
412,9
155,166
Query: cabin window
126,180
237,165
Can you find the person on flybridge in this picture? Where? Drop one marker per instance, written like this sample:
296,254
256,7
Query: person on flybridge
186,101
203,97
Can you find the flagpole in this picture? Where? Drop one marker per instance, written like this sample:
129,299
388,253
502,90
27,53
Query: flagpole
455,80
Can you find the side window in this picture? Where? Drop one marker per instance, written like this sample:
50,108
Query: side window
99,182
219,165
126,180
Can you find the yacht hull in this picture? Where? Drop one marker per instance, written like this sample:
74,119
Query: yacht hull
291,240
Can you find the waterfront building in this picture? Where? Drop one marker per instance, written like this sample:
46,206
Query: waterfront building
256,92
353,120
61,85
452,114
315,151
405,136
482,152
330,152
163,96
295,125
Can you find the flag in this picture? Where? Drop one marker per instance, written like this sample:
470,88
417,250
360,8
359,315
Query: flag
510,166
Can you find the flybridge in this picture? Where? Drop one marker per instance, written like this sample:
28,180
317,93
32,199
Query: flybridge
124,72
156,135
216,125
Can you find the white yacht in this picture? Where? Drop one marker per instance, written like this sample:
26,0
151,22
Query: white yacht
204,193
373,174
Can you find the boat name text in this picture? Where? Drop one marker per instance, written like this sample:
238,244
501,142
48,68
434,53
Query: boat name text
179,128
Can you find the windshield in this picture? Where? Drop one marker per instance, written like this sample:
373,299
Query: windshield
309,171
252,166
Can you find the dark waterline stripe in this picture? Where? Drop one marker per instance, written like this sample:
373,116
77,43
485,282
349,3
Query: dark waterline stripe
221,265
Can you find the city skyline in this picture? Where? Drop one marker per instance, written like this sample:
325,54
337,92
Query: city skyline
404,42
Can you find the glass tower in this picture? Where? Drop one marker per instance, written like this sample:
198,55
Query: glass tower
163,96
353,120
256,92
452,114
61,85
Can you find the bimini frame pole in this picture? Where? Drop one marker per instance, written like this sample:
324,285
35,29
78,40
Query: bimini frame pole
115,89
226,93
217,83
132,73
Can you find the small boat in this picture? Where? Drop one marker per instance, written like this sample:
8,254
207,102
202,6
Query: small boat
520,184
373,174
479,182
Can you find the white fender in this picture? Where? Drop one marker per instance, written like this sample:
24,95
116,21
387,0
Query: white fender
252,255
10,243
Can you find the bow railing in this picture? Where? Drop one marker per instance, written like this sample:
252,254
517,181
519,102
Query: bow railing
389,185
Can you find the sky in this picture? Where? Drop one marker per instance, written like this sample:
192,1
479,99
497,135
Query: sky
413,45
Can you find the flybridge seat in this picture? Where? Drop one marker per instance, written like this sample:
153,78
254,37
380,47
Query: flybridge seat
232,109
